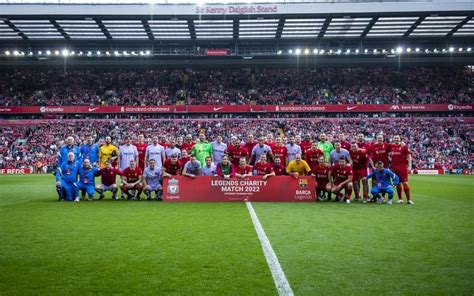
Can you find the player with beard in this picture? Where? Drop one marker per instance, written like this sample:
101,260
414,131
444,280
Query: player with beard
360,162
236,151
279,151
312,155
379,152
172,167
321,173
305,145
401,165
250,144
325,146
361,143
344,144
188,144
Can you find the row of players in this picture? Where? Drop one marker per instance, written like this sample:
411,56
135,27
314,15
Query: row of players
329,179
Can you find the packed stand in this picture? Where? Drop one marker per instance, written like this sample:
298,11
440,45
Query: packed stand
236,86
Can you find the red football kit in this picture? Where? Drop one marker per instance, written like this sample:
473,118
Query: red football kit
108,176
279,170
341,174
399,155
305,146
379,152
321,175
243,170
263,169
141,148
311,156
187,146
280,152
236,152
360,162
172,169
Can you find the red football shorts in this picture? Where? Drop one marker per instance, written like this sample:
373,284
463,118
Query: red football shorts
359,174
401,171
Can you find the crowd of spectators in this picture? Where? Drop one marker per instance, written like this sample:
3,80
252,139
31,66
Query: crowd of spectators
236,86
435,142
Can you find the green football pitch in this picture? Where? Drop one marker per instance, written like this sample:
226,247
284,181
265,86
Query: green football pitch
47,247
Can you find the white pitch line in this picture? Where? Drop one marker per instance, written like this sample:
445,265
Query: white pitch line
281,283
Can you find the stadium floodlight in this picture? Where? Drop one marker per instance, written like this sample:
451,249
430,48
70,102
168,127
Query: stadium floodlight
399,49
16,53
330,51
460,49
427,50
89,53
290,51
468,49
451,49
116,53
134,53
30,53
40,52
384,51
435,50
65,52
80,53
98,53
417,49
72,52
147,52
107,52
357,51
408,49
298,51
338,51
444,50
56,52
392,51
7,53
306,51
48,52
375,51
366,50
315,51
278,53
321,51
348,51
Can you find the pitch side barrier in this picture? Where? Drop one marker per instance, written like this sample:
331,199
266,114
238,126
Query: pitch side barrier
312,119
218,189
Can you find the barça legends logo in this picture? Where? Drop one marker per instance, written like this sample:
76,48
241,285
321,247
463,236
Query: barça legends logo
173,186
303,183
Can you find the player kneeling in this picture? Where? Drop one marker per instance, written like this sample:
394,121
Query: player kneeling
66,175
340,177
152,178
383,183
132,178
86,181
108,176
321,174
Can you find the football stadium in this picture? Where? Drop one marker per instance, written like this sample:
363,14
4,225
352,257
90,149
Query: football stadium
218,147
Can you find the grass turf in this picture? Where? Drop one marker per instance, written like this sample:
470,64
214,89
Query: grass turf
143,247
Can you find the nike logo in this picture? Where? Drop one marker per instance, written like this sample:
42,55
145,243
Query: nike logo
93,109
350,108
218,108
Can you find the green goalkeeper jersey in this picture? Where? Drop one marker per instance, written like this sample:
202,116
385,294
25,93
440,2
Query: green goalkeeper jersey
201,151
326,147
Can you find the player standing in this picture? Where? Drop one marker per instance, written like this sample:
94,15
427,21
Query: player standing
325,145
218,149
156,152
236,151
360,162
312,155
108,151
202,149
141,148
279,151
293,148
66,149
401,165
90,150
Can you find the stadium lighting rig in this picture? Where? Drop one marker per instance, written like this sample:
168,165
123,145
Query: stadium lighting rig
297,51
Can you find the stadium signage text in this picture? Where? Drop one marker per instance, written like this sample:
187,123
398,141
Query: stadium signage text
209,189
14,171
236,9
239,108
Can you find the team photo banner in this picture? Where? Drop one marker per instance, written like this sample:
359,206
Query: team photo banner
238,109
217,189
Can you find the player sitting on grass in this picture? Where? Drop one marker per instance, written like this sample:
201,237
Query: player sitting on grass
66,175
383,182
132,180
340,177
86,181
108,177
151,181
